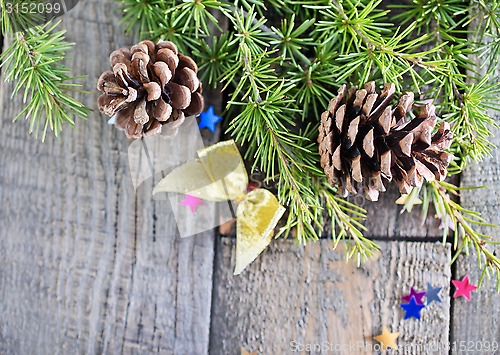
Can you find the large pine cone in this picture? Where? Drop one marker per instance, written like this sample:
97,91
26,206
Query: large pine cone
362,139
151,89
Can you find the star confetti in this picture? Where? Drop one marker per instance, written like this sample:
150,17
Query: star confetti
418,296
412,309
387,339
432,294
464,288
192,202
245,352
404,200
209,119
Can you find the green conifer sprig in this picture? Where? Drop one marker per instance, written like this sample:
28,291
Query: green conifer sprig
281,70
486,18
430,15
463,101
195,15
290,41
215,59
143,15
470,120
34,61
13,20
462,222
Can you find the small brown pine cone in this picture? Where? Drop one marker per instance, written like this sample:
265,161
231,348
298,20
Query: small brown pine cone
150,89
362,140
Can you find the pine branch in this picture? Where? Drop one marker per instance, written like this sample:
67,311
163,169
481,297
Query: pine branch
33,61
145,16
470,120
391,56
249,30
14,20
487,15
355,21
251,8
461,94
290,42
346,217
311,87
264,123
431,14
280,74
195,14
217,59
462,221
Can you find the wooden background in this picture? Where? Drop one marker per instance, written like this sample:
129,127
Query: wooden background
89,266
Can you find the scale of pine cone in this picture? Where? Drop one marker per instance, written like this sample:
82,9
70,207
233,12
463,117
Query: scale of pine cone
151,89
362,139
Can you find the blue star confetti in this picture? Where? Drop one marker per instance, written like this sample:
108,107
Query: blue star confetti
412,309
432,294
209,119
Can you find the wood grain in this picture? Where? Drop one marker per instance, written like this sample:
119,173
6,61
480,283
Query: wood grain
477,323
479,320
385,220
88,265
294,295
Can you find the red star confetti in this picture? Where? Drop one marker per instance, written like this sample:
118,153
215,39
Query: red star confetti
464,288
192,202
418,296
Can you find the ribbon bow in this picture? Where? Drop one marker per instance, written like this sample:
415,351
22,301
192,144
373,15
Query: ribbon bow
219,174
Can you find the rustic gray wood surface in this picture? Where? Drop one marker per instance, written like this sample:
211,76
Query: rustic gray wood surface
294,297
478,322
89,265
396,224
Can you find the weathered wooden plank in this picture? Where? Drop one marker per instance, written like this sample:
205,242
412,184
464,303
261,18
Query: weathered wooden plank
86,264
476,324
294,295
385,220
479,320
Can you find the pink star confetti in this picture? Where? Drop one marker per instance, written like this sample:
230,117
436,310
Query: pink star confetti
464,288
418,296
192,202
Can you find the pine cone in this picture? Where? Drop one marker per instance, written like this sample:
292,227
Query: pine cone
150,89
362,139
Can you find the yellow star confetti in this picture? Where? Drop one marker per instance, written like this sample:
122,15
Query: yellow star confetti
387,339
408,202
245,352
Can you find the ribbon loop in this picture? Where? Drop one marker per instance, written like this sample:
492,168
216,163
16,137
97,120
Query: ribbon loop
219,174
257,216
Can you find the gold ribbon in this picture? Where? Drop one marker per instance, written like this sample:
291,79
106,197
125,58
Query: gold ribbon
219,174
